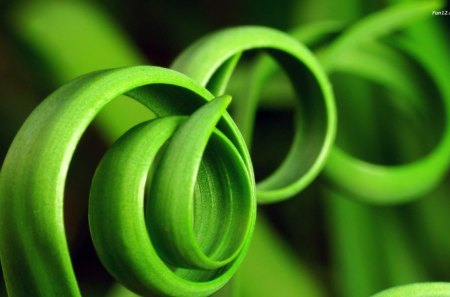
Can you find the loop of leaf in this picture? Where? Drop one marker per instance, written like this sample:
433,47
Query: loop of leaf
211,61
355,51
384,184
201,205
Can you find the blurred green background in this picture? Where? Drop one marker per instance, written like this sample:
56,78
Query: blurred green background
324,242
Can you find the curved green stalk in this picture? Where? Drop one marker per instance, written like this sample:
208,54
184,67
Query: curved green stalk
382,184
47,19
349,54
373,63
433,211
195,228
355,52
389,184
316,120
33,248
173,252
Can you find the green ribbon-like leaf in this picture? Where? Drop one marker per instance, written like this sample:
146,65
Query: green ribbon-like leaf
197,182
210,62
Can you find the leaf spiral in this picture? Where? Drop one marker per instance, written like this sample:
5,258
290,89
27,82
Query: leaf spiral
359,50
201,205
371,58
211,61
173,203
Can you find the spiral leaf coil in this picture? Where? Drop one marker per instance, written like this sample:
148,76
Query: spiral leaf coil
200,260
173,203
211,60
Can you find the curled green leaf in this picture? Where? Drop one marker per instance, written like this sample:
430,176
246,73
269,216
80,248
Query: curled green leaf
210,62
359,51
379,183
33,247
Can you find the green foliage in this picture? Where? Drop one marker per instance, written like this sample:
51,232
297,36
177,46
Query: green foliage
361,93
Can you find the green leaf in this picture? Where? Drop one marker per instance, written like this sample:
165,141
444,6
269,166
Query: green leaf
316,119
34,253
